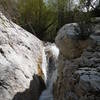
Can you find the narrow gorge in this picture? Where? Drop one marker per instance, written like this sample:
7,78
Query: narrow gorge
30,69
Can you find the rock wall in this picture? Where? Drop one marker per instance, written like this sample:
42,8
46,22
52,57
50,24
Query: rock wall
78,77
21,57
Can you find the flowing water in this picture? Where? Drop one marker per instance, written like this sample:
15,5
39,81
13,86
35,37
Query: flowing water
44,65
51,72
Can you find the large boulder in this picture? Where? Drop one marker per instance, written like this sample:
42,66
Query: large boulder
68,41
22,71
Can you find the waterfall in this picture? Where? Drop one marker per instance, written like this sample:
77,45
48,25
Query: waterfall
47,94
51,56
44,65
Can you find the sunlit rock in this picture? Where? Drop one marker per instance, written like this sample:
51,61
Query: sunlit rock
22,63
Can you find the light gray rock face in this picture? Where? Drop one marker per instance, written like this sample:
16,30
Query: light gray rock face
68,43
79,77
21,58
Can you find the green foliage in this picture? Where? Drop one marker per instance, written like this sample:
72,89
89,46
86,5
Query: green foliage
44,19
37,18
84,21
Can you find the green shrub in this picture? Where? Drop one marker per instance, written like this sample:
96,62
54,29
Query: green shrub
36,17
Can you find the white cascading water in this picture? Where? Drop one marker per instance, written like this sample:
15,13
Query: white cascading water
44,65
54,52
47,94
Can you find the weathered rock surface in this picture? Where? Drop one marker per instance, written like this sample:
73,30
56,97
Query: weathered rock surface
21,58
68,43
78,78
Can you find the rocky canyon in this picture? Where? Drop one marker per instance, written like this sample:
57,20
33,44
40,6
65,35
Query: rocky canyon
30,69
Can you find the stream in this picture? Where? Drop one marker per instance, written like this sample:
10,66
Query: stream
52,53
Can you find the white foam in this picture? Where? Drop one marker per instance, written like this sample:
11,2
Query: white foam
53,51
44,65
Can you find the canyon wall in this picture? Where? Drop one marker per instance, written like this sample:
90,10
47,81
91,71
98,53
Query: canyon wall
22,58
78,65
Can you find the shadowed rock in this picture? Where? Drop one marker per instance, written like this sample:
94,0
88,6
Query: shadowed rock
37,85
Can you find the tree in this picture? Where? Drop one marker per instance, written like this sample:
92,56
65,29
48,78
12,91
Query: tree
38,17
